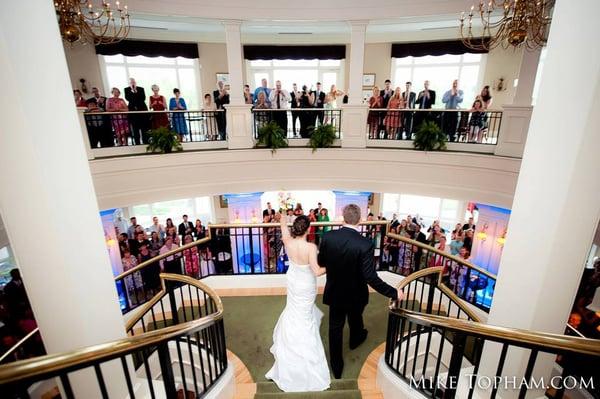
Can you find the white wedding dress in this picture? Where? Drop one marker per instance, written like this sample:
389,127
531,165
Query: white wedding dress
300,363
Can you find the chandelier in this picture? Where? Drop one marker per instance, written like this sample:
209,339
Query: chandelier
83,21
507,23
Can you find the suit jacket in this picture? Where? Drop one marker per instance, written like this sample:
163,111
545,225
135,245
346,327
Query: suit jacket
386,99
320,100
295,100
219,102
426,103
182,228
348,258
411,99
136,101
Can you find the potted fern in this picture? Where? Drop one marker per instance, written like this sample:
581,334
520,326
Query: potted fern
322,136
163,140
429,137
271,136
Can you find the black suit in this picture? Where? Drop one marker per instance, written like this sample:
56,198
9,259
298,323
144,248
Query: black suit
295,114
221,117
140,123
423,103
349,260
182,230
408,116
319,103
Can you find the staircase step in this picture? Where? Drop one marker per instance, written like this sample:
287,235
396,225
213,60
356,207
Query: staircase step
335,394
336,385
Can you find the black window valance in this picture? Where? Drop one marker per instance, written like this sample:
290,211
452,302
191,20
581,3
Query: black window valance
420,49
132,48
255,52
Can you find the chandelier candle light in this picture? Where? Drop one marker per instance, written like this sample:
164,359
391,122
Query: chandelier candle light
81,21
509,23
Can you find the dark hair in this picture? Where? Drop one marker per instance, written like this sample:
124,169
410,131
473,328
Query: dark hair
176,90
318,83
351,214
207,95
300,225
387,81
409,83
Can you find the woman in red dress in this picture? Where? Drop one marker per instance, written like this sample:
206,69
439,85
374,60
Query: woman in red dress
191,258
393,118
158,103
376,101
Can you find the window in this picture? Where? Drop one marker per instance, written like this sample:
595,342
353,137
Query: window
167,73
196,208
441,71
301,72
447,211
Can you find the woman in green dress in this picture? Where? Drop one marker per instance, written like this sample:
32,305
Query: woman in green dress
322,217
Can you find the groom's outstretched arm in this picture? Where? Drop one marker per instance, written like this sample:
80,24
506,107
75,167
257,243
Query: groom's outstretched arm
370,275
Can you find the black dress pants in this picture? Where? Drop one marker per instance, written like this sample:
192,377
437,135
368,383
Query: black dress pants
337,320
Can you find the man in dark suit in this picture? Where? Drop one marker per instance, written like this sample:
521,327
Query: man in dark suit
409,98
185,228
319,95
349,260
270,212
295,103
420,237
425,100
221,97
387,93
136,101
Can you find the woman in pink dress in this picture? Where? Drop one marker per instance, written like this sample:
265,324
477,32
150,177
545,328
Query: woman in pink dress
158,103
376,101
120,124
191,258
393,119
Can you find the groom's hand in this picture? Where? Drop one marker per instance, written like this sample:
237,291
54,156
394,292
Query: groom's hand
400,295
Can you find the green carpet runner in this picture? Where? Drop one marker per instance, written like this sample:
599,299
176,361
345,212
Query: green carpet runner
339,389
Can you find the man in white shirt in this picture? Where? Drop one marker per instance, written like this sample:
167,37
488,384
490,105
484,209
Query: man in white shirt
279,99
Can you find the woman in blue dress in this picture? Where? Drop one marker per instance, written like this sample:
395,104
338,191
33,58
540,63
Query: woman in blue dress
177,103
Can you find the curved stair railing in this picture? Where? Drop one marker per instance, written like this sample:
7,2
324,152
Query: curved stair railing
175,344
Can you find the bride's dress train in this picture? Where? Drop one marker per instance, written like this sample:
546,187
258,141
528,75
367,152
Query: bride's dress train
300,363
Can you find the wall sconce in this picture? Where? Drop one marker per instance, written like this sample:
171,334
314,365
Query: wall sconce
501,240
499,85
482,235
110,242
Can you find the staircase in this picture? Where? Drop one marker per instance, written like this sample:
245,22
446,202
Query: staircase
339,389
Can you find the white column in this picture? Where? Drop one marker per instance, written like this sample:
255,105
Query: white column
527,73
358,30
235,63
558,188
47,198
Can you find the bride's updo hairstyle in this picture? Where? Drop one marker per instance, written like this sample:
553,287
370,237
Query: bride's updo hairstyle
300,225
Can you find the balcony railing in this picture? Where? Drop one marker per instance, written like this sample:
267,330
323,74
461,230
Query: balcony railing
113,129
460,126
298,122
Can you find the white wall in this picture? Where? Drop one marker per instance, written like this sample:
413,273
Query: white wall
378,60
83,63
213,60
505,64
140,179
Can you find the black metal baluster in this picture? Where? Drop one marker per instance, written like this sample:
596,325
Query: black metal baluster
207,351
166,369
182,304
193,367
127,378
477,348
191,301
101,382
528,372
409,333
181,368
416,350
499,369
148,374
438,362
427,346
153,317
399,342
66,384
458,351
203,373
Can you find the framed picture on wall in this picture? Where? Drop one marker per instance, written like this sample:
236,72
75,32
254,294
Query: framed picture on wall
223,77
367,93
223,201
368,79
371,199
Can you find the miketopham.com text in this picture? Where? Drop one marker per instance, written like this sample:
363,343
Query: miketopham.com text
502,383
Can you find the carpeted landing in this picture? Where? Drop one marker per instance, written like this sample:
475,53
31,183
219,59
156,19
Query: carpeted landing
340,389
249,324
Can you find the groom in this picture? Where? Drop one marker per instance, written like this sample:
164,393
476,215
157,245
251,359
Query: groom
349,260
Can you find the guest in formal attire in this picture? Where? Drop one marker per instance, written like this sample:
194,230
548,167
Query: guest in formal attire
158,103
298,211
331,104
177,103
386,93
157,228
132,227
295,96
470,225
375,102
452,99
134,282
409,98
210,121
248,97
100,99
307,100
221,98
120,123
279,99
485,97
264,89
319,96
262,117
155,244
150,273
185,227
476,122
323,216
393,118
425,100
171,264
191,258
136,98
170,228
269,211
79,100
98,126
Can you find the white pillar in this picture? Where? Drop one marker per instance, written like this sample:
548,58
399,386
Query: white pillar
233,41
558,188
358,30
47,198
527,73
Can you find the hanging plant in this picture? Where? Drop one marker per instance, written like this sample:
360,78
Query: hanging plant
163,140
322,136
429,137
272,136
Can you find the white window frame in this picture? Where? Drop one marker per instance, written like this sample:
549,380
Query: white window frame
269,70
127,64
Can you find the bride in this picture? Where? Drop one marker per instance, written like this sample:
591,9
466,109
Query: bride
300,363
